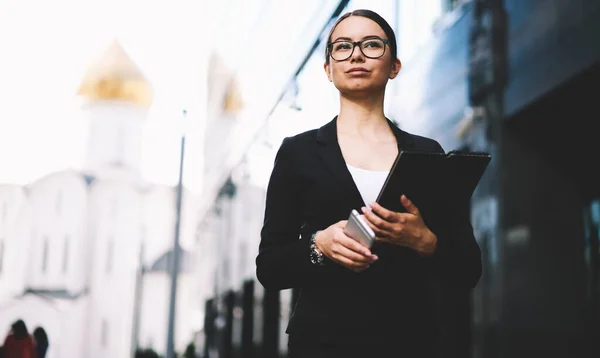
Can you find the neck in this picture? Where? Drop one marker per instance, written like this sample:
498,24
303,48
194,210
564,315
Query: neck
362,116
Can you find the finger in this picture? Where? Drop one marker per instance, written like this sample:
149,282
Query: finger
378,231
383,213
342,223
389,240
410,207
381,233
382,239
348,242
376,220
351,264
343,251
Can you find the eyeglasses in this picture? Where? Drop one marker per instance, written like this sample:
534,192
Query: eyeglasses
343,50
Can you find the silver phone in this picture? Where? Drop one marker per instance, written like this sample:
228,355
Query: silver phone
358,229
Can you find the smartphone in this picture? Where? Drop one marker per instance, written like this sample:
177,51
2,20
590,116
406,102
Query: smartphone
358,229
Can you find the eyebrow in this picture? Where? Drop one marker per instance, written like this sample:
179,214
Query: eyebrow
349,39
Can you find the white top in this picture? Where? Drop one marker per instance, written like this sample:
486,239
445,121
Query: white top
368,182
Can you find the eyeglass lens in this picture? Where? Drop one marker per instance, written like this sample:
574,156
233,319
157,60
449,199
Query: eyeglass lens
372,48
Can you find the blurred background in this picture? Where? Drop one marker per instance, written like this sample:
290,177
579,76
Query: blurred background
138,134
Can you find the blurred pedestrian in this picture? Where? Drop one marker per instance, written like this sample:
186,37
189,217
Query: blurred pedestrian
18,342
41,342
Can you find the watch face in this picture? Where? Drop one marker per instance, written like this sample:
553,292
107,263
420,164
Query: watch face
315,256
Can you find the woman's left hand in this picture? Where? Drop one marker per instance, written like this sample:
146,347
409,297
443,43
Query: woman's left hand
403,229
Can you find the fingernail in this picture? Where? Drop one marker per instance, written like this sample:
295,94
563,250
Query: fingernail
375,257
363,209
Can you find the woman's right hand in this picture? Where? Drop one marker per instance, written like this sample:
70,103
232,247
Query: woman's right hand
333,243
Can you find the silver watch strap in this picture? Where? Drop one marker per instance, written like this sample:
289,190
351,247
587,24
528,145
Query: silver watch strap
316,256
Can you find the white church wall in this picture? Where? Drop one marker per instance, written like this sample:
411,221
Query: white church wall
225,245
59,209
117,213
158,220
206,261
15,217
155,311
186,320
237,231
117,126
252,204
74,338
228,240
189,219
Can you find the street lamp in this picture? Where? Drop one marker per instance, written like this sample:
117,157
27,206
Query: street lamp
174,262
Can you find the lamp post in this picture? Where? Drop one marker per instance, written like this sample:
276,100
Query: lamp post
174,262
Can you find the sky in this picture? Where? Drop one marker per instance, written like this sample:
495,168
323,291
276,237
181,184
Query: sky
45,48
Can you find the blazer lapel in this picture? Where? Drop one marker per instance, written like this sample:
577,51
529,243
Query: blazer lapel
331,155
405,140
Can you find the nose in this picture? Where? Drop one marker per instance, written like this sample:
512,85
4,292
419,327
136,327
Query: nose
357,55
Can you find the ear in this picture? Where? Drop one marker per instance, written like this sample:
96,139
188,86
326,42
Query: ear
396,66
327,68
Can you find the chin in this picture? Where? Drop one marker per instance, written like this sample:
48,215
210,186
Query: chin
360,89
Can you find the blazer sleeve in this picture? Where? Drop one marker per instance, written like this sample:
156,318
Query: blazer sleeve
457,258
283,259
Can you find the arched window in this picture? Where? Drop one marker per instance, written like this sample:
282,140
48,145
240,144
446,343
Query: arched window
45,254
104,333
65,263
4,211
109,254
1,254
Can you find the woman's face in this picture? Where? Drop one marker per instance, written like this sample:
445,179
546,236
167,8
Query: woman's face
360,74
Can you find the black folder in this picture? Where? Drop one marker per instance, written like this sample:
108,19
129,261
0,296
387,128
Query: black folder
433,181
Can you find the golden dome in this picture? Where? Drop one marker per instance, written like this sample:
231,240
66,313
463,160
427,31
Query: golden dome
115,76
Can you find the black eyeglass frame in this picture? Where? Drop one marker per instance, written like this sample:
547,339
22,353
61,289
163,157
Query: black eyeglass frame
359,44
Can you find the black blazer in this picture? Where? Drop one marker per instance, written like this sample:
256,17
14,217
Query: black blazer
392,301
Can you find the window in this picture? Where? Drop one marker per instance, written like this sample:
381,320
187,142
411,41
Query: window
1,254
109,254
65,264
449,5
45,255
104,333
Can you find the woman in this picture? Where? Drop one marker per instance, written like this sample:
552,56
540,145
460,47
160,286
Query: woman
356,301
18,343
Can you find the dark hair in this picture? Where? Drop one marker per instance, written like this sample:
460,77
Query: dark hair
40,335
19,330
389,32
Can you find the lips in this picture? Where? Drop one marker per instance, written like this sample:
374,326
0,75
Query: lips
357,70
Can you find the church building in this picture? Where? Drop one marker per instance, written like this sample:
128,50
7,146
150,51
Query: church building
85,253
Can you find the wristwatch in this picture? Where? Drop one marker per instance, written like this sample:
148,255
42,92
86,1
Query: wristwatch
316,256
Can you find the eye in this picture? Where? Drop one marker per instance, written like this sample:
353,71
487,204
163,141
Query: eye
373,44
340,46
